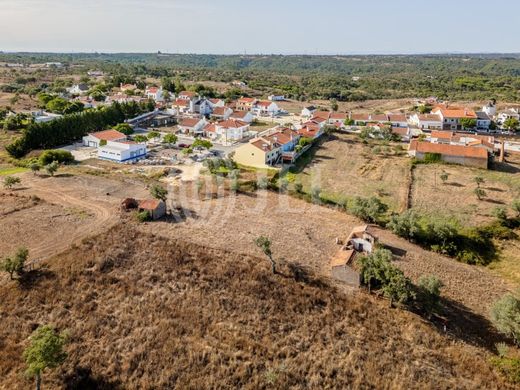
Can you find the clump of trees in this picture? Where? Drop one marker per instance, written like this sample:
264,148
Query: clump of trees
378,272
73,126
61,156
220,166
124,128
368,209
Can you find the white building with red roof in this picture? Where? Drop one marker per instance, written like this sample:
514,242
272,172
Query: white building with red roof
244,116
266,108
155,93
223,112
192,126
95,139
231,130
122,151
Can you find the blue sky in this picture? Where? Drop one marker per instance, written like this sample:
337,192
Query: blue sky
265,26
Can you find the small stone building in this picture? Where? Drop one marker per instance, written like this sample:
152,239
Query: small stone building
360,241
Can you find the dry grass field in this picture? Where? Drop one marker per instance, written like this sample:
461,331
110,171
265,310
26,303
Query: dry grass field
344,167
146,312
456,198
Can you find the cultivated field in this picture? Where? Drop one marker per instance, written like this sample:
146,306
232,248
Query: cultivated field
456,198
344,167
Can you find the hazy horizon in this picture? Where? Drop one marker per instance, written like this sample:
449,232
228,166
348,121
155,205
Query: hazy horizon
333,27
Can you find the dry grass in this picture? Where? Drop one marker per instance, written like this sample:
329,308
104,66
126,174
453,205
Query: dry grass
345,167
456,198
144,312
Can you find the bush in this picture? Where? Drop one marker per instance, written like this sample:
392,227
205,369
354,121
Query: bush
61,156
406,225
368,209
143,216
505,316
124,128
429,293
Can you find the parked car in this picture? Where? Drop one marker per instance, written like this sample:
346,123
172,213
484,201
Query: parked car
184,146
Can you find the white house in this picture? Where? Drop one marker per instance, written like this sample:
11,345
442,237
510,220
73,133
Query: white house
216,103
244,116
224,112
490,109
513,113
122,151
483,121
201,106
231,130
308,112
154,93
192,126
188,95
398,120
95,139
337,119
266,108
276,98
78,89
426,121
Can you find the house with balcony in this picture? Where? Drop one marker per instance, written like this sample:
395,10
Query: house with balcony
192,126
426,121
245,104
266,108
452,117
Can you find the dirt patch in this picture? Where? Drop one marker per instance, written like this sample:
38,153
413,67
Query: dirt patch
72,208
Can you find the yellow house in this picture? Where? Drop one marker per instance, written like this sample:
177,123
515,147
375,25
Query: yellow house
258,153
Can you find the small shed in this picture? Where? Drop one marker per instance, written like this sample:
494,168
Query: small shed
156,208
360,240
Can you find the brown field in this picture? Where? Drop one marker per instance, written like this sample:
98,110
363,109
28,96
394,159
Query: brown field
456,198
146,312
71,208
344,167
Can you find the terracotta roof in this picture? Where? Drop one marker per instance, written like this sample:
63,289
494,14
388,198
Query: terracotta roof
190,122
149,204
455,112
189,94
109,135
429,117
442,134
210,127
220,111
263,145
239,114
449,150
317,119
379,117
215,101
342,258
264,103
232,123
181,103
322,114
246,100
338,115
397,118
400,130
152,89
360,117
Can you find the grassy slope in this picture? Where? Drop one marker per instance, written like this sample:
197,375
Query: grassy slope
150,313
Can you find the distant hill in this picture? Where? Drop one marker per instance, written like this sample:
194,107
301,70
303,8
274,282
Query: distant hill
144,312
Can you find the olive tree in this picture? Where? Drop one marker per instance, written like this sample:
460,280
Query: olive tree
429,287
11,181
264,243
45,350
52,168
15,264
505,316
159,192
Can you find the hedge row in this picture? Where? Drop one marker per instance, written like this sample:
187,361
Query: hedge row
72,127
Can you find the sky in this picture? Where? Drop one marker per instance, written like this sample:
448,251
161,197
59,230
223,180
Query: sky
261,27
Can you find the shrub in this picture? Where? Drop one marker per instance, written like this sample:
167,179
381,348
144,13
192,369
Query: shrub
368,209
124,128
143,216
429,289
406,225
505,316
61,156
11,181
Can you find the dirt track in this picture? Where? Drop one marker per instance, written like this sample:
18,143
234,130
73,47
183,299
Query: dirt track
83,200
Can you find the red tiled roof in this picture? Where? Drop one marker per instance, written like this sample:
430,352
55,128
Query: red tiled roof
189,94
239,114
397,118
400,130
264,103
232,123
181,103
455,112
210,127
430,117
246,100
152,89
220,111
360,117
263,145
338,115
449,150
109,135
189,122
442,134
149,204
